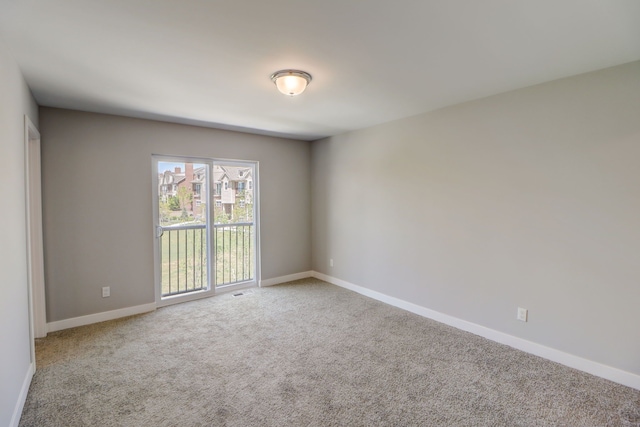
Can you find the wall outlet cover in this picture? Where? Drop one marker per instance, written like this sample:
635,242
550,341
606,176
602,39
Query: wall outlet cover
522,314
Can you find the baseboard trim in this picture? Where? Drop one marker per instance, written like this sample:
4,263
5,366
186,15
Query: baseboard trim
99,317
594,368
287,278
22,398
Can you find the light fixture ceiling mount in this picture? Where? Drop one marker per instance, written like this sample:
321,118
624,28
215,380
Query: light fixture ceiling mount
291,82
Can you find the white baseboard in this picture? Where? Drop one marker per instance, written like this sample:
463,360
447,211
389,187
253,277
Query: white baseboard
22,398
99,317
594,368
287,278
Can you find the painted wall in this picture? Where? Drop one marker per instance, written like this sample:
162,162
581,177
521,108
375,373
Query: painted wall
15,356
526,199
98,227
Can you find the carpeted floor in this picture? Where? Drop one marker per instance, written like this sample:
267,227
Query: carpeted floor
305,354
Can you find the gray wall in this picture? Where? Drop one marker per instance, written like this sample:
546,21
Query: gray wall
98,227
530,198
15,357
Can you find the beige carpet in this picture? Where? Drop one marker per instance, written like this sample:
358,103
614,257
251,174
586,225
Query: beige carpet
305,354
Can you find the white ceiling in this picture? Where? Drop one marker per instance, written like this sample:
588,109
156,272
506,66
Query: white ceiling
208,62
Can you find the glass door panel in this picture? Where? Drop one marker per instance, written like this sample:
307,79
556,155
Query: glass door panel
183,227
234,228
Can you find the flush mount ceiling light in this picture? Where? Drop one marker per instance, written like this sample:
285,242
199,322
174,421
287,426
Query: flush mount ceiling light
291,82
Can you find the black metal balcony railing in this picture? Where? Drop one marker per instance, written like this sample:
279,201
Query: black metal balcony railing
234,252
184,256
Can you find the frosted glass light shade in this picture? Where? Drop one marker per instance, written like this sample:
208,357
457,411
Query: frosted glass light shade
291,82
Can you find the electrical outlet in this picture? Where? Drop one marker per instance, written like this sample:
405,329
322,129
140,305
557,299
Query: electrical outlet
331,262
106,291
522,314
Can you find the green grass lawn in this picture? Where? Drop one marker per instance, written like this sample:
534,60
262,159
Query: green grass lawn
184,258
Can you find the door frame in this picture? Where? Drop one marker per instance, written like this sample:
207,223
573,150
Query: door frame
213,290
35,243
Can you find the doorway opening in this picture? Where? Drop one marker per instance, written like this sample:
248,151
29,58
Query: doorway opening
35,245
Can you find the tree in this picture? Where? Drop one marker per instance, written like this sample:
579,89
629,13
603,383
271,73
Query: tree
184,196
243,209
174,203
165,211
219,216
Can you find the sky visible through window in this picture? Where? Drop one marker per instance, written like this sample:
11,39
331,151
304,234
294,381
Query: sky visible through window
169,166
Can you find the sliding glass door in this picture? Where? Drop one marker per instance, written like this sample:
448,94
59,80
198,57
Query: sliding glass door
205,214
